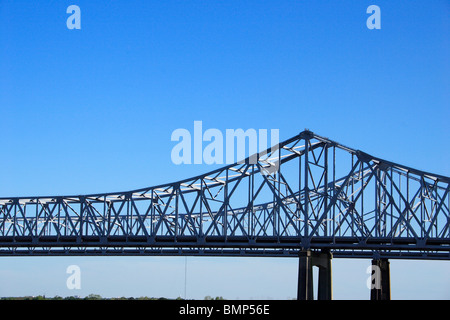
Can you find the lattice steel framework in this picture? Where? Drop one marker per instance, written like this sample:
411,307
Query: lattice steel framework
310,193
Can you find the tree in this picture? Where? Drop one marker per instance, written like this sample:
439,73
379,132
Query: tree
93,297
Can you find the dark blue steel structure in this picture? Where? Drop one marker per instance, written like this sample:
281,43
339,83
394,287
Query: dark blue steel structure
307,194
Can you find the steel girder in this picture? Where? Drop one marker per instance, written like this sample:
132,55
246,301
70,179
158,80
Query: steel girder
309,192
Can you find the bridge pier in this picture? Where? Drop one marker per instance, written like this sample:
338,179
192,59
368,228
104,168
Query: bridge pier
381,282
307,260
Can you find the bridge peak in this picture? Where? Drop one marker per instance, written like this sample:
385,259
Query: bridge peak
306,134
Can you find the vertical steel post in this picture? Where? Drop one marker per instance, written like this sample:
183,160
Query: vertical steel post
305,276
225,211
325,207
381,288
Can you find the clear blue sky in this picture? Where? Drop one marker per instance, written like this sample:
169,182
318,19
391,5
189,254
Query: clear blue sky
92,110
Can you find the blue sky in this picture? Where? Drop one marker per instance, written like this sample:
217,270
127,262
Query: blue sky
92,110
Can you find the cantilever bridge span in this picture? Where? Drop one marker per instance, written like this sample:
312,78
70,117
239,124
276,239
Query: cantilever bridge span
307,194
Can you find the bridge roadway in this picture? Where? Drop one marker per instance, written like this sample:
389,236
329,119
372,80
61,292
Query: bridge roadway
308,197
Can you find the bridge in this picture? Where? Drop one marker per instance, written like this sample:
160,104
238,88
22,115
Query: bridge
309,197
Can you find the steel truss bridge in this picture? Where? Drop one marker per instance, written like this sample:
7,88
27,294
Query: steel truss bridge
307,193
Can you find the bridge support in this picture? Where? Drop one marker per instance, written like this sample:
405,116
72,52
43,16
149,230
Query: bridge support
381,282
307,260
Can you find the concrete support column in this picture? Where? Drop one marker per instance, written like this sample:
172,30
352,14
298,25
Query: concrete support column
325,276
381,283
307,260
305,276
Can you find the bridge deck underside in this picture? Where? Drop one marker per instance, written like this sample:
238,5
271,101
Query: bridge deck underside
345,247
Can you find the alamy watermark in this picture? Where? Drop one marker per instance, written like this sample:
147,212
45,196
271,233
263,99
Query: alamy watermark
74,20
374,20
74,280
234,146
374,280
